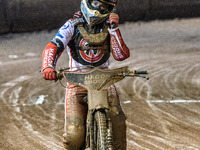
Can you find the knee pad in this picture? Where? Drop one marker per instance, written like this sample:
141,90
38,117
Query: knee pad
74,133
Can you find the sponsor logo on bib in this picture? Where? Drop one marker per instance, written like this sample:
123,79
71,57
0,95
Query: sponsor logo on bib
90,55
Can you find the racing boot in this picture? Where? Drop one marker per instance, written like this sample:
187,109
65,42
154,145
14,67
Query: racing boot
118,119
73,139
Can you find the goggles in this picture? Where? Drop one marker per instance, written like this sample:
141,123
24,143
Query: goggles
103,8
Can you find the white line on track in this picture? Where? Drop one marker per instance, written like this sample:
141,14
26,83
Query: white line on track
173,101
40,99
15,81
126,102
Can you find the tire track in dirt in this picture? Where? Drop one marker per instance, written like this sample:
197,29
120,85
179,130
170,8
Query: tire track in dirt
180,126
168,81
175,79
169,50
17,102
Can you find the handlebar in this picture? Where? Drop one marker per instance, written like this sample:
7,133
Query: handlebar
140,72
97,77
134,73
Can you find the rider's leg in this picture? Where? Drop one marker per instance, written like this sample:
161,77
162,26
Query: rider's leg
75,115
118,120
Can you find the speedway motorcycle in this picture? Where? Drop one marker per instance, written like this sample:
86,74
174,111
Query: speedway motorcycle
99,134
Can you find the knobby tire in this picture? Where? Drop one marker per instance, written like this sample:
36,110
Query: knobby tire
101,129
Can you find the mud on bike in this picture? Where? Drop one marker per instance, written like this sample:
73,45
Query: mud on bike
97,81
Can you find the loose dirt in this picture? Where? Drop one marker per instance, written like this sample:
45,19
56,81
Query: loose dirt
162,113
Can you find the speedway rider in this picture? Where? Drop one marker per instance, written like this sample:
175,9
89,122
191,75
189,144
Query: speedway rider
89,40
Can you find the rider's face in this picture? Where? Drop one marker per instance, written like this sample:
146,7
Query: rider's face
99,5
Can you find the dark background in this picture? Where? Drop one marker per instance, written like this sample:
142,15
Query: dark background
34,15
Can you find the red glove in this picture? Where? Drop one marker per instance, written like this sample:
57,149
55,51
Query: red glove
114,18
49,74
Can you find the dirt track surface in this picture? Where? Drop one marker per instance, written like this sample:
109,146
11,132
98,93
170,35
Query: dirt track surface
162,113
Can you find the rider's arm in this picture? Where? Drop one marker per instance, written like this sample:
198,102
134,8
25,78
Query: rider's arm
55,48
119,49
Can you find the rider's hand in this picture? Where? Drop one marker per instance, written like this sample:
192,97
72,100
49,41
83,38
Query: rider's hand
49,74
114,18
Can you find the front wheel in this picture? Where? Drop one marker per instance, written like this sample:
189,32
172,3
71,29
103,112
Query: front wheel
103,131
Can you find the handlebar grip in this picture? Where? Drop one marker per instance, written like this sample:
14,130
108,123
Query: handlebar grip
59,75
59,72
141,72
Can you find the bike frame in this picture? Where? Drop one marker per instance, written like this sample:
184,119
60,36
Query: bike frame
97,81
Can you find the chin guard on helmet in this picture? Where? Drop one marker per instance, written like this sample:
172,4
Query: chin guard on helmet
93,15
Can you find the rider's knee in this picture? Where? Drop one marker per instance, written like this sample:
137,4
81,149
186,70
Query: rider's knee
74,134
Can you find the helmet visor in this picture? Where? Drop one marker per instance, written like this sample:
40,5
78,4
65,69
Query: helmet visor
103,8
110,2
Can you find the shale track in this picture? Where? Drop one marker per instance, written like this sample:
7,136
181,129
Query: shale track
162,113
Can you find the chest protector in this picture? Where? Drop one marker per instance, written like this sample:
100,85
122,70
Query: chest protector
90,45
